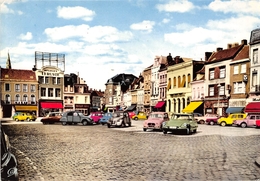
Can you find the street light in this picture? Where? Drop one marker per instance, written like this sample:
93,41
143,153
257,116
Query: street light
218,99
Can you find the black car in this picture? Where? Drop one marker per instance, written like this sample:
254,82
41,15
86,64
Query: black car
9,168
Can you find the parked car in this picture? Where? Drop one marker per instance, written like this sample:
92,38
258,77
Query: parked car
212,121
231,118
250,120
96,116
105,118
24,116
131,114
202,119
75,117
180,122
140,115
51,118
119,119
9,167
155,121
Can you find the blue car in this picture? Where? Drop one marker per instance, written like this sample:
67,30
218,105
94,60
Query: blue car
105,118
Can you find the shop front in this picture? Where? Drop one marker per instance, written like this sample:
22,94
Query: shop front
50,106
84,108
160,106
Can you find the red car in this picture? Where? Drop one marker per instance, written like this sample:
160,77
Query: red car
257,123
51,118
131,114
96,116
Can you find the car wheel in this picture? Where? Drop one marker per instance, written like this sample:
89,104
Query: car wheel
223,123
102,124
84,123
188,131
16,119
164,131
129,124
123,124
195,131
28,119
136,118
202,122
144,129
43,123
243,125
211,123
64,123
108,125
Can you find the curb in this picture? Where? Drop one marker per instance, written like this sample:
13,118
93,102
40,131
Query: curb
257,161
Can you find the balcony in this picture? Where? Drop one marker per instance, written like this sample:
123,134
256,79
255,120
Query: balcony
14,102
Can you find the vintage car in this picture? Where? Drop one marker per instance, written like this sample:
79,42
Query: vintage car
131,114
207,118
24,116
140,116
180,122
119,119
96,116
231,118
250,120
9,167
105,118
75,117
155,121
51,118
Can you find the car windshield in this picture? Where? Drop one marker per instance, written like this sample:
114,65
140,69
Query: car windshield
153,115
181,117
107,114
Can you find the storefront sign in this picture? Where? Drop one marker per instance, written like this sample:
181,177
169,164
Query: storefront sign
237,103
81,106
256,99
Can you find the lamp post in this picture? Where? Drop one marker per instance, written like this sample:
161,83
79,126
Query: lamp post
218,99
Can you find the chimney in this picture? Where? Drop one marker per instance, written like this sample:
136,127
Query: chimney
177,59
229,45
169,59
219,49
244,42
207,55
235,44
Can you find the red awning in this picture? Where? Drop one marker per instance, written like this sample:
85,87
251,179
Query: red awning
159,104
53,105
252,107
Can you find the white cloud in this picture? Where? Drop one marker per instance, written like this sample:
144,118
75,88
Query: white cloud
143,26
165,20
76,12
236,6
180,6
89,34
27,36
5,9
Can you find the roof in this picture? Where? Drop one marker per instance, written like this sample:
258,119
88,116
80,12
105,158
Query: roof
226,54
18,74
255,36
243,54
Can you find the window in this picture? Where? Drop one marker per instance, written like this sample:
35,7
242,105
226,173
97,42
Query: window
17,87
254,77
50,92
211,74
17,97
54,80
7,99
236,69
174,82
198,92
57,92
211,91
239,87
25,98
58,80
25,88
222,90
33,88
179,81
255,55
33,99
7,87
243,68
46,80
222,72
43,91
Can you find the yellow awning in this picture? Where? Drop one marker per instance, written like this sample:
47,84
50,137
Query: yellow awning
26,108
191,107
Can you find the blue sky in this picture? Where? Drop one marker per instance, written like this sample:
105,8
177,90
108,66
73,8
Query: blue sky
102,38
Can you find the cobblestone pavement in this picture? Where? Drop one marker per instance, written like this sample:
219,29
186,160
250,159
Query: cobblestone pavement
79,153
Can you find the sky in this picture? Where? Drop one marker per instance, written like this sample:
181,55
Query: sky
102,38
